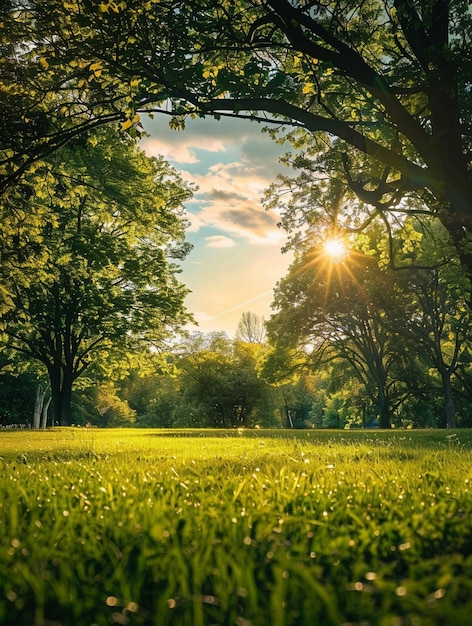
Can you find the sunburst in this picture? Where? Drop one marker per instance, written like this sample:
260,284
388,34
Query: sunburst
335,249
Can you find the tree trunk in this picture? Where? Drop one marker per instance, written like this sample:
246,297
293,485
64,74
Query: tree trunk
38,406
44,414
448,416
61,393
384,409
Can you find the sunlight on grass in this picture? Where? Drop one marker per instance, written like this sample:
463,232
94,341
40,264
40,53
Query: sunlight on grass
249,528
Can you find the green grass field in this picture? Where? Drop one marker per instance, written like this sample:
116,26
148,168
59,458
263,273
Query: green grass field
244,528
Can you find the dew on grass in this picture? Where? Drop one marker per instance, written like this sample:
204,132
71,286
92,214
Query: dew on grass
207,599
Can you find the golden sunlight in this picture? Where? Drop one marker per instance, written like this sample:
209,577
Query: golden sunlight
334,248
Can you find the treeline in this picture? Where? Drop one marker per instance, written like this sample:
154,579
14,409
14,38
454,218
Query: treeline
213,381
368,331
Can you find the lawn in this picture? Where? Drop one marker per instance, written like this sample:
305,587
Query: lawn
244,528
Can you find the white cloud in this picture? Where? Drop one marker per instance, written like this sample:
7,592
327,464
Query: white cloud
229,199
178,152
229,195
219,241
180,146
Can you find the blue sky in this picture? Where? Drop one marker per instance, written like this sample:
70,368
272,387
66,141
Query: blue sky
237,259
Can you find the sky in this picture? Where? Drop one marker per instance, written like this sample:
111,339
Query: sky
236,260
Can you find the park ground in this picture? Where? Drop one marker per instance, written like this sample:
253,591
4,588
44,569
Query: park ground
245,528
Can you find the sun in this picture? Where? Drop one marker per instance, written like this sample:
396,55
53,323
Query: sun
334,249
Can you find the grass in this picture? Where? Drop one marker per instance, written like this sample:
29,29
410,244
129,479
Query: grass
244,528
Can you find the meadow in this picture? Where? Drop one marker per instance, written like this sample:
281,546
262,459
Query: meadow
243,528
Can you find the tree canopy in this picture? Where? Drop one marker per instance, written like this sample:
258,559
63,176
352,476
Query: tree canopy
385,84
112,223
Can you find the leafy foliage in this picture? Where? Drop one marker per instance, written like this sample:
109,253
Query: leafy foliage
382,86
222,381
112,223
401,333
342,310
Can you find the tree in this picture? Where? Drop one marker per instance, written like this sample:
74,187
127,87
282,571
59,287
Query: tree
114,224
385,84
439,322
100,405
16,400
341,310
221,382
251,328
298,398
46,100
41,407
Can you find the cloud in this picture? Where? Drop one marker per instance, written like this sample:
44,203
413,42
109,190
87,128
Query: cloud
229,198
236,260
255,221
225,196
179,153
219,241
182,147
231,163
208,135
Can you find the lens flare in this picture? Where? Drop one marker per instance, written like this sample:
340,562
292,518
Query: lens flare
334,248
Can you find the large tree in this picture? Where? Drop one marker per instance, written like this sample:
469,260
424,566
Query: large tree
113,222
385,83
343,309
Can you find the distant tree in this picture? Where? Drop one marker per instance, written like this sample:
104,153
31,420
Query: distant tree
163,409
115,221
298,398
222,382
251,328
100,405
151,387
